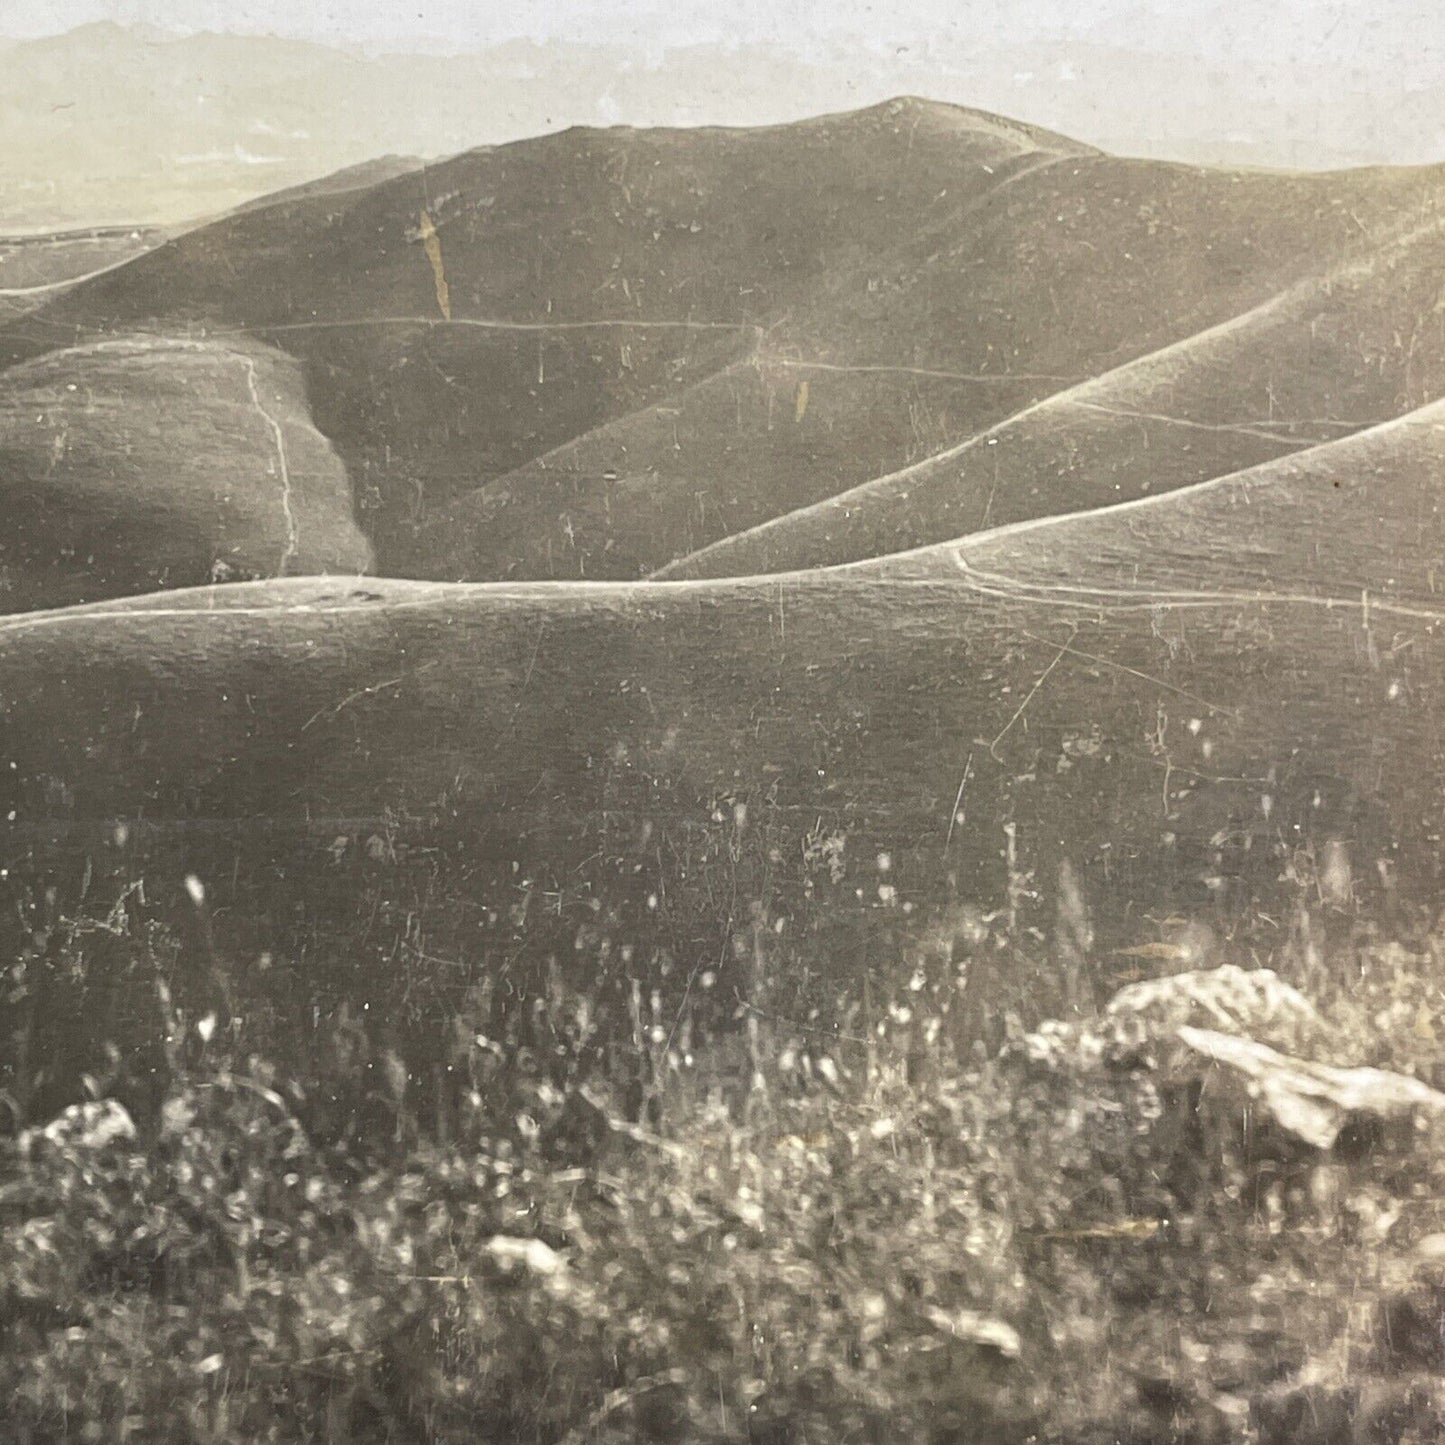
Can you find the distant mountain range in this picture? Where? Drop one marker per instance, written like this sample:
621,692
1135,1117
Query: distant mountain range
108,124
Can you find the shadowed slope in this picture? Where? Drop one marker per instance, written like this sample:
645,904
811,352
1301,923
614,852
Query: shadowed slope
1360,521
152,462
585,225
509,684
1071,266
458,322
1348,348
1179,666
974,313
491,740
459,325
763,436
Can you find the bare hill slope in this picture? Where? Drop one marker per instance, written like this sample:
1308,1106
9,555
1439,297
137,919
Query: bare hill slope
496,345
147,462
1013,508
1348,347
1359,520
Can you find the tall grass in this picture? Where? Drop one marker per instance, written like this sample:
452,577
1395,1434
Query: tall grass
903,1218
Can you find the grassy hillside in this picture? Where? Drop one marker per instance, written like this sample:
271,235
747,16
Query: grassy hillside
35,266
146,462
566,281
757,439
32,261
471,749
588,355
496,345
591,354
534,229
1357,518
1352,345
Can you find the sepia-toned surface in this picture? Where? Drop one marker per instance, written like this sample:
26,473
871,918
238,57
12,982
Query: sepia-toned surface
886,668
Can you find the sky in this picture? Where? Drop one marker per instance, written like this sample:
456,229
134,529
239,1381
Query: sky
1404,37
1277,83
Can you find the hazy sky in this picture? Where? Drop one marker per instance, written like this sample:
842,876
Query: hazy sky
1406,36
1290,83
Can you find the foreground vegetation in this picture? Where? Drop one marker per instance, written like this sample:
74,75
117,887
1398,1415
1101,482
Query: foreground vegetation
1085,1232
